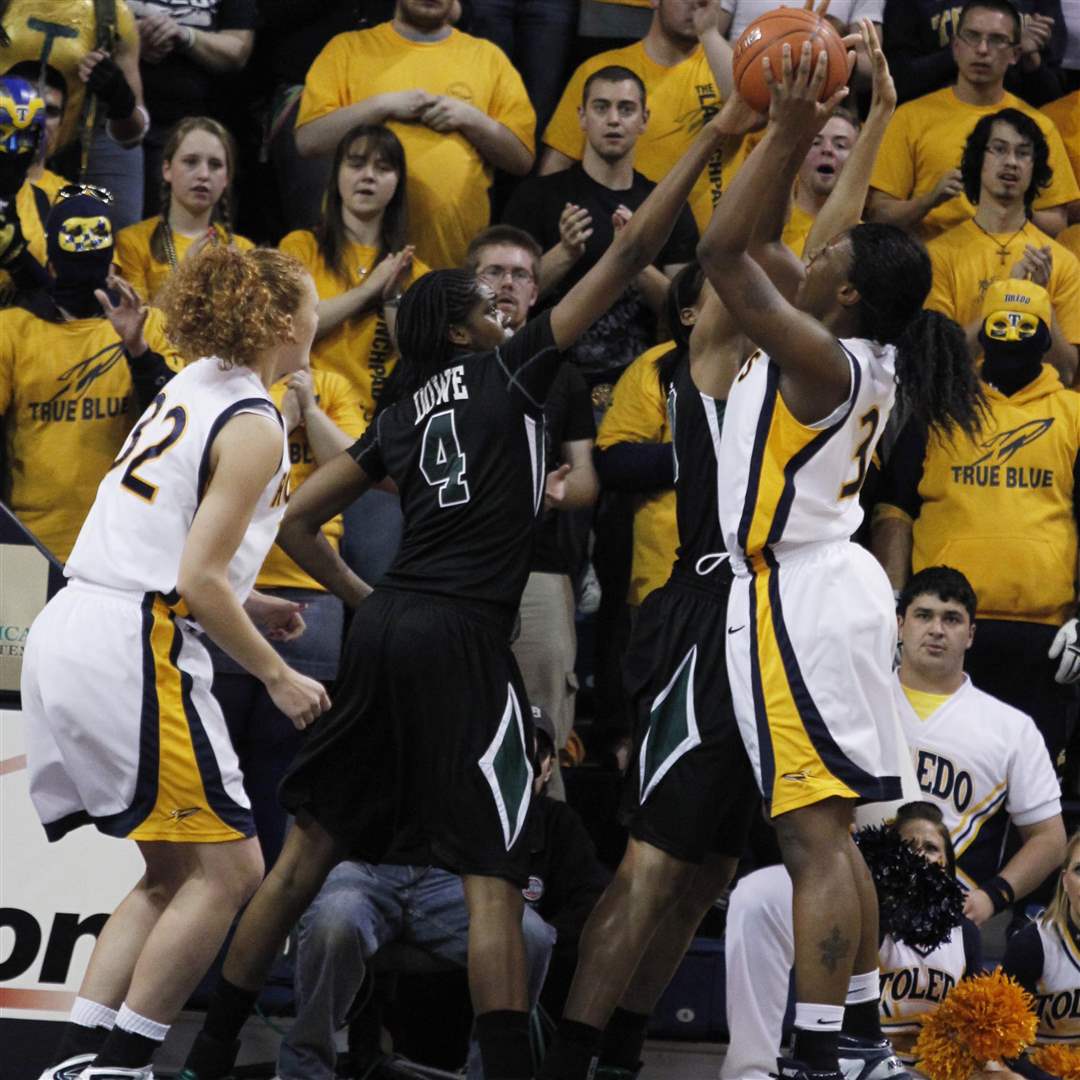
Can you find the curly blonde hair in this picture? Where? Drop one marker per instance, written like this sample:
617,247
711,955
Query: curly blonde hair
232,304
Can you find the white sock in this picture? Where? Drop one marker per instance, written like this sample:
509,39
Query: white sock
818,1018
126,1020
864,987
87,1013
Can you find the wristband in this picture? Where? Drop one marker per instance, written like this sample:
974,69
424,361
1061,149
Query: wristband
1001,893
189,39
127,144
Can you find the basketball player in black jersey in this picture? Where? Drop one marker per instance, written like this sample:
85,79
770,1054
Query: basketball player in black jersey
426,749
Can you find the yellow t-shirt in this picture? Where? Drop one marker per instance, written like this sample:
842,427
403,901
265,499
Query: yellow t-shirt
926,137
797,229
25,22
338,400
680,100
448,177
638,413
1065,112
32,225
50,183
1000,509
141,270
966,260
1069,239
66,398
924,703
360,348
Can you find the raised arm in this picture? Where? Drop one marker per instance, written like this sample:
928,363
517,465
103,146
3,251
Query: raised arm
814,367
717,348
638,244
708,18
844,207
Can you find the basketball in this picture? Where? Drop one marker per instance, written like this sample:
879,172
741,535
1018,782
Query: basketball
768,35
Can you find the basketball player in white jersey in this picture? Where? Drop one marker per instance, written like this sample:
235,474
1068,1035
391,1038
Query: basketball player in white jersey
1044,958
123,730
811,626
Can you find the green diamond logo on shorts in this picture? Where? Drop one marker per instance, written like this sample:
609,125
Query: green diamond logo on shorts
507,767
673,729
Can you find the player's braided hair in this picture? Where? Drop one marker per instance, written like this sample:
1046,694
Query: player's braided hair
232,304
685,292
223,210
936,380
428,309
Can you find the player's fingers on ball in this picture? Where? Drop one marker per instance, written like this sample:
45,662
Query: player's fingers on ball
786,63
767,74
835,98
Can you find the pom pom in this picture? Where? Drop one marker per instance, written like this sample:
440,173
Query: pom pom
983,1019
1058,1059
918,902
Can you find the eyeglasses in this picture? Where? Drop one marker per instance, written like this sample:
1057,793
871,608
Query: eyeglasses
72,191
973,39
494,274
999,149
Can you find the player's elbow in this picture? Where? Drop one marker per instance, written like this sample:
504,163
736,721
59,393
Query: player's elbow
714,251
200,586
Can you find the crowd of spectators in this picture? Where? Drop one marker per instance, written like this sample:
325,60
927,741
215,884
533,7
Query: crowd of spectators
376,141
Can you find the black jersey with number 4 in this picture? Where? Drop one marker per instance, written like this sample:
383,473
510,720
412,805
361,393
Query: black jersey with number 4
466,451
695,419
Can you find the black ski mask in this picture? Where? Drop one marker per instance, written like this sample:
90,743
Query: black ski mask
79,240
1015,334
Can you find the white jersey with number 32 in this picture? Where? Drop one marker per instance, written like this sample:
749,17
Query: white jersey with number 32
787,484
135,533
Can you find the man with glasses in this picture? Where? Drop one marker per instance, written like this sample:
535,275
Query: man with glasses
508,260
573,215
916,183
1003,170
918,38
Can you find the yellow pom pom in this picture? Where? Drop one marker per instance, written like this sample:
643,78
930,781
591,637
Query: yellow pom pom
983,1019
1058,1059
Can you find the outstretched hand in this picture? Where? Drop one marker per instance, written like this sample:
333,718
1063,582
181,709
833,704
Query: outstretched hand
883,99
128,315
795,94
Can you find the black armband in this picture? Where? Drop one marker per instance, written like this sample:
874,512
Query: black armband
1001,893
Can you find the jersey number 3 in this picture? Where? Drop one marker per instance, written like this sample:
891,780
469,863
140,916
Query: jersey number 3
869,420
131,479
441,459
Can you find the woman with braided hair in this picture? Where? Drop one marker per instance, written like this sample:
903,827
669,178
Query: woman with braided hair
426,751
198,170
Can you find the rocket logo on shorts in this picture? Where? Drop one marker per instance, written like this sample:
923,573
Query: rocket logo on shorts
507,767
179,814
534,890
673,729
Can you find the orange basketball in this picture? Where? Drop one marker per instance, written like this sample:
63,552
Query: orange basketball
767,36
